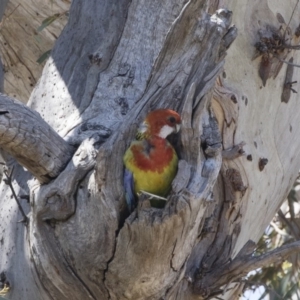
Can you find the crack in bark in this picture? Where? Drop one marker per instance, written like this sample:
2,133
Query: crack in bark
108,262
171,261
78,277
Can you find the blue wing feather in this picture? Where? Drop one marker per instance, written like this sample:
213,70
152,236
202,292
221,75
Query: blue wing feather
129,190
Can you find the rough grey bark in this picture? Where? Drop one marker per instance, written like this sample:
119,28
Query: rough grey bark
31,141
114,62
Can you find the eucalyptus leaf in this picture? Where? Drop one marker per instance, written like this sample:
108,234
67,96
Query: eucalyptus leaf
48,21
43,57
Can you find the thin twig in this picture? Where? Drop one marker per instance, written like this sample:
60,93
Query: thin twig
287,62
290,18
249,283
283,219
8,181
278,230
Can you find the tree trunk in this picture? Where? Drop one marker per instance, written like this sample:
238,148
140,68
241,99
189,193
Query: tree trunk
114,62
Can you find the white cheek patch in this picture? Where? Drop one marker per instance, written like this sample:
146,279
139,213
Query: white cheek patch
165,131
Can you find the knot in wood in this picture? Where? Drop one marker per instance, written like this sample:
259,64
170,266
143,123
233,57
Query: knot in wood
235,178
225,15
95,59
262,163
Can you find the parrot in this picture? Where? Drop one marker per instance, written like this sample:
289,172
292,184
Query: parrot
151,161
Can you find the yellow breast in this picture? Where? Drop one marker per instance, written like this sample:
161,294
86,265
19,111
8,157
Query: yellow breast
154,167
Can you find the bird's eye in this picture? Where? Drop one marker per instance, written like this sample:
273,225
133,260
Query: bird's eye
172,120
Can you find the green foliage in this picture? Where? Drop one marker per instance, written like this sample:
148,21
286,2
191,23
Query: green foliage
48,21
45,23
280,281
44,56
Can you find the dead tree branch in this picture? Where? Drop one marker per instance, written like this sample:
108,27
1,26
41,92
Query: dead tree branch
31,141
241,266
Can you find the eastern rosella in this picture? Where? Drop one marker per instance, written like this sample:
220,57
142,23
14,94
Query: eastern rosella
151,161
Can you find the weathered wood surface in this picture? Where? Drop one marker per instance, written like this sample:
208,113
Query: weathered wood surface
31,141
119,89
21,44
267,126
81,243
